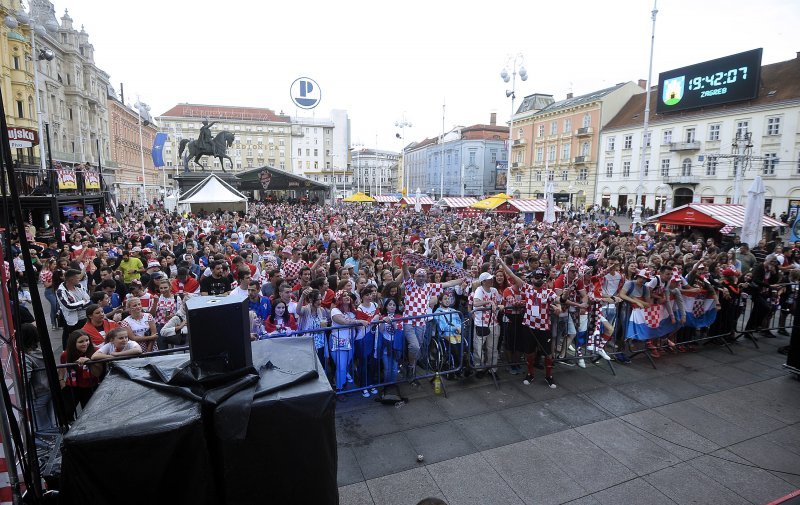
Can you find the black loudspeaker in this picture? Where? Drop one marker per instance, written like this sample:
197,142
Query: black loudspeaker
793,356
219,333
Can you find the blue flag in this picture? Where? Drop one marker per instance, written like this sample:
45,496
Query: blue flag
158,147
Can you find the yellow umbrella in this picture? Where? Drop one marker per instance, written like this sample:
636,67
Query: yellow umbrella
492,202
359,197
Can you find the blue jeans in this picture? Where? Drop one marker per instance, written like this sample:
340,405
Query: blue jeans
415,338
363,352
51,298
341,358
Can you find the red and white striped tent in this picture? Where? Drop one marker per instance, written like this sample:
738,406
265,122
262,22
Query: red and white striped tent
459,205
386,199
425,201
725,216
531,209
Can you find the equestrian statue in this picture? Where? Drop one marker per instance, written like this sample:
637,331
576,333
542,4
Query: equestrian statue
205,145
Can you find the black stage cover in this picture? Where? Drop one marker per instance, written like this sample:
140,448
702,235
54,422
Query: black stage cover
158,431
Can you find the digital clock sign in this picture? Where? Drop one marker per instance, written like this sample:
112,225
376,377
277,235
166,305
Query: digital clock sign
729,79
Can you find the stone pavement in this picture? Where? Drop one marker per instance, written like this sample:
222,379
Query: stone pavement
706,427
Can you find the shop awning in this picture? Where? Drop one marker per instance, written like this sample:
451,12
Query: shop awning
492,202
709,215
456,202
386,199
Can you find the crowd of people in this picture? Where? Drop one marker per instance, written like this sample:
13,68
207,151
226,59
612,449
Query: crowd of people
375,285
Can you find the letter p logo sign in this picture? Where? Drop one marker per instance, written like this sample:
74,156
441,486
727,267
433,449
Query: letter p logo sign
305,93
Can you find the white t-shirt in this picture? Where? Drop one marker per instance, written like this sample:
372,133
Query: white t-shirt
611,284
109,347
486,316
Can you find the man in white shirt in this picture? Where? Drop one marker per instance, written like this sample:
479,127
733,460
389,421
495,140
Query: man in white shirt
486,301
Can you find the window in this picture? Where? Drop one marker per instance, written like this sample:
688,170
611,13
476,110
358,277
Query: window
774,125
299,152
565,151
667,137
690,135
610,146
627,142
567,126
16,62
711,165
517,178
583,174
519,133
646,167
308,152
770,162
713,132
565,175
20,109
665,168
609,170
686,167
540,131
539,153
797,170
587,120
626,169
553,127
551,153
551,176
538,176
742,127
316,152
585,149
494,156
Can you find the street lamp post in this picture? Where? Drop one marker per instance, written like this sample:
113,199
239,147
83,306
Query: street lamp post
143,115
637,210
403,124
523,74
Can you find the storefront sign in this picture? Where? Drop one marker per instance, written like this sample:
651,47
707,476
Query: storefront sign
20,138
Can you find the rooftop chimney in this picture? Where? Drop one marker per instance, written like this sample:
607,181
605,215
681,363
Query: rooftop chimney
493,119
569,95
643,83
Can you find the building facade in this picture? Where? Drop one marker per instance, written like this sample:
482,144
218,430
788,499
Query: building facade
473,160
72,89
558,141
320,144
694,156
375,171
132,154
262,137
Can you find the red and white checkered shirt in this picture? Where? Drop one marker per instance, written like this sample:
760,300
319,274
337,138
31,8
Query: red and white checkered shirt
291,269
537,306
417,298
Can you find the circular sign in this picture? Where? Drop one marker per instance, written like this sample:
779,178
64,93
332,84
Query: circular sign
305,93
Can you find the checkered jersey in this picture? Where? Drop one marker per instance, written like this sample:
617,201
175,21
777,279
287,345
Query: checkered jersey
416,299
291,269
537,306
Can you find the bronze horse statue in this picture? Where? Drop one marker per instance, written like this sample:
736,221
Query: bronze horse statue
220,144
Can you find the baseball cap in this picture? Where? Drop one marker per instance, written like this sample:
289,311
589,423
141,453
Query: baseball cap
153,264
485,276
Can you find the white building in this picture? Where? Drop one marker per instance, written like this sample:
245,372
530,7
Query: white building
689,157
374,171
320,144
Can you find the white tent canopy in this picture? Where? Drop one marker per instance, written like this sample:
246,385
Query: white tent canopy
213,193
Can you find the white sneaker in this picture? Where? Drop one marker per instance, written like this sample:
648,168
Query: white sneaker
581,363
603,354
373,391
365,393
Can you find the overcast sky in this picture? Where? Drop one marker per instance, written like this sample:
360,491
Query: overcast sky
383,60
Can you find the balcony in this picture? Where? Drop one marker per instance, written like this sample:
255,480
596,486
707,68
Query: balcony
581,160
684,146
583,132
519,142
34,182
516,165
682,179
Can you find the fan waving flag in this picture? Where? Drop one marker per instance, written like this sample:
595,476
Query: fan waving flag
652,322
158,148
700,309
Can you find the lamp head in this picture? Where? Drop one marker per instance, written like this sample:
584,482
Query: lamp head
11,22
46,54
504,75
39,30
22,17
523,74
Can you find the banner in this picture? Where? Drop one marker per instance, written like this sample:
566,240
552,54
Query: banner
66,176
436,265
91,179
700,311
652,322
795,232
158,148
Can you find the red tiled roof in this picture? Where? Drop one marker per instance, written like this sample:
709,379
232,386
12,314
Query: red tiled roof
225,112
779,82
